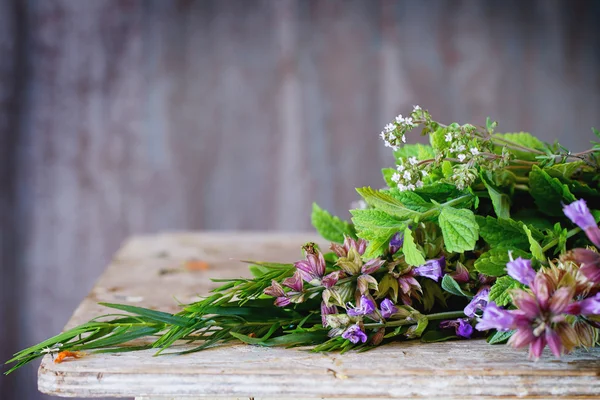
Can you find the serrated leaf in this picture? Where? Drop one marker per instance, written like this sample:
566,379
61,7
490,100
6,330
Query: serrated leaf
384,202
438,140
500,200
500,291
410,200
330,227
451,286
420,151
447,169
501,232
534,246
387,176
459,229
564,170
412,255
377,227
493,262
500,337
439,192
522,139
549,193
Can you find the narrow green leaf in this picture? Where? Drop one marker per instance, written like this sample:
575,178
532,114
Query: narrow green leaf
152,314
451,286
412,255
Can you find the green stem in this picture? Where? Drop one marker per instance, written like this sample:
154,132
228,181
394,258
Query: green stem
554,242
515,146
430,317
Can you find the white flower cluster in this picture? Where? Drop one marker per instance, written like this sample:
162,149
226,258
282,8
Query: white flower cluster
408,177
394,133
460,147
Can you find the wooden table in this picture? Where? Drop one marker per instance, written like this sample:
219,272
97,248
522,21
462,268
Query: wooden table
149,271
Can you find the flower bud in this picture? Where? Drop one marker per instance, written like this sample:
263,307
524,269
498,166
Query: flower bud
587,335
377,338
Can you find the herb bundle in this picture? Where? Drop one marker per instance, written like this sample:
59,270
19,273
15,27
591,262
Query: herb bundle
478,234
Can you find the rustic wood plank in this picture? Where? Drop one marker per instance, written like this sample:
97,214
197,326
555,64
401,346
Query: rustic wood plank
148,271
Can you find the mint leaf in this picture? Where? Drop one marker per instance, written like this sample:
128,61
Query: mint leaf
502,232
387,176
422,152
500,337
500,292
387,203
439,192
451,286
534,246
377,227
549,193
521,139
493,262
438,140
412,255
500,200
459,229
410,200
330,227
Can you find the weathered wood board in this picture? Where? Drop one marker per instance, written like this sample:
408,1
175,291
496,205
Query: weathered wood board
148,271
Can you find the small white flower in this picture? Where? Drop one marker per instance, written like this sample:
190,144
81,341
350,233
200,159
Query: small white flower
474,151
401,187
461,147
461,157
416,108
358,205
383,135
400,168
406,175
400,119
408,121
410,187
403,139
419,184
53,349
389,128
413,160
448,138
396,177
424,173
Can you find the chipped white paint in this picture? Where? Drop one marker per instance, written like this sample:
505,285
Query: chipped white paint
150,267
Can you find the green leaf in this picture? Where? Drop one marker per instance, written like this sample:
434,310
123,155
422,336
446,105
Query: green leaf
534,246
412,255
329,227
439,192
447,169
500,232
377,227
564,170
387,203
500,200
431,293
549,193
410,200
437,139
459,228
420,151
500,337
387,176
500,291
493,262
451,286
522,139
434,336
151,314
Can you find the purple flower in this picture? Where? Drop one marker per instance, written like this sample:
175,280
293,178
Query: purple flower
366,306
589,263
462,327
355,334
294,282
276,290
589,306
432,269
313,268
478,302
396,242
495,317
387,308
372,266
579,213
521,270
325,311
331,279
461,274
359,245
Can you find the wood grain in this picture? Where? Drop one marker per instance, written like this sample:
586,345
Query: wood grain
130,116
465,369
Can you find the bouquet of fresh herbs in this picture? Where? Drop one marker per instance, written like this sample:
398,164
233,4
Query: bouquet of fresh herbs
478,234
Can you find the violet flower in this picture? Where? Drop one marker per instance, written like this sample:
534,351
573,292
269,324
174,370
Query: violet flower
355,334
313,268
409,287
388,308
579,213
521,270
331,279
294,282
495,317
366,307
462,327
432,269
588,307
276,290
359,245
325,311
589,263
396,242
372,265
478,302
461,275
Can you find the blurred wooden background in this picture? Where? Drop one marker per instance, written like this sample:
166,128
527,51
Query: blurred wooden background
121,117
